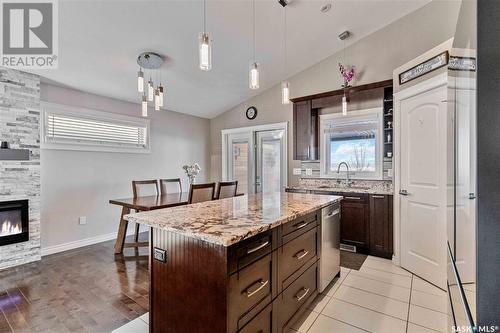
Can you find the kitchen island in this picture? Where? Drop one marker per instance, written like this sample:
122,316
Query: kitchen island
243,264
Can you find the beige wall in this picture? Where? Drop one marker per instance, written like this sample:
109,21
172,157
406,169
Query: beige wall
375,57
80,183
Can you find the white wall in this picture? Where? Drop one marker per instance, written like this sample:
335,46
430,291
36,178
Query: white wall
79,183
375,58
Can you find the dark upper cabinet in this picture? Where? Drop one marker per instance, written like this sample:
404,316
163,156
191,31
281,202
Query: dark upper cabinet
354,225
381,225
305,132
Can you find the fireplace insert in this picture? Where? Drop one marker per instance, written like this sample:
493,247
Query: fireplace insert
14,222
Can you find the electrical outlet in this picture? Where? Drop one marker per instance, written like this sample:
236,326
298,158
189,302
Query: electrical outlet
297,171
309,172
82,220
389,172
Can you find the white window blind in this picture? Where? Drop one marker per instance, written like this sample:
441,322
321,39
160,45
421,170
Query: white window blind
95,130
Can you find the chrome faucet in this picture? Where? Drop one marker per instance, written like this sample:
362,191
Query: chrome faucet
347,180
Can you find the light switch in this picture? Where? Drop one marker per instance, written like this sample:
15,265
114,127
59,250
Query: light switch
389,172
297,171
309,172
82,220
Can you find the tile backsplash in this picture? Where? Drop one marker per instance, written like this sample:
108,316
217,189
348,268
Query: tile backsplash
311,169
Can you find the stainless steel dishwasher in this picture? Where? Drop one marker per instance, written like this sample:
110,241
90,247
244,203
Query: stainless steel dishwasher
330,245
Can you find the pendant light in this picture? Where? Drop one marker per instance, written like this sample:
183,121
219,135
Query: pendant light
205,47
344,105
157,100
150,90
140,80
160,91
144,106
285,85
253,76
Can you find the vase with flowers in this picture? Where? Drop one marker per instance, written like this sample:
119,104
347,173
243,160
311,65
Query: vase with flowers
191,171
347,74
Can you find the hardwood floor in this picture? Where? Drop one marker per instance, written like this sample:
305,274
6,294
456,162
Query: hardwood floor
84,290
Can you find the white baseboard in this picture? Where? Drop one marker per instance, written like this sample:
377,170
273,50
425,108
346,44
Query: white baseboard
80,243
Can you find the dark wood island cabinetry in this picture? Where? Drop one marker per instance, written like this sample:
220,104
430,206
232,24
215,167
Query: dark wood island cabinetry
251,268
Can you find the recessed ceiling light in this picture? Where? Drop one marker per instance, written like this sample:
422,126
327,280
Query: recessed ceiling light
326,7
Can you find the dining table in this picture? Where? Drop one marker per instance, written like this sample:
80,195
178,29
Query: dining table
145,203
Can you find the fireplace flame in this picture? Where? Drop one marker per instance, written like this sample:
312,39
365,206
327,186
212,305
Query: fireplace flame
9,228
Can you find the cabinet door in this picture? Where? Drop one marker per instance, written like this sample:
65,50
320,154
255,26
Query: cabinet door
305,133
354,229
380,226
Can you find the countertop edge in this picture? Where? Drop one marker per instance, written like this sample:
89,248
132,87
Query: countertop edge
237,239
346,190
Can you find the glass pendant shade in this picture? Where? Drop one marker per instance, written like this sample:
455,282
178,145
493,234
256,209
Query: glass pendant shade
144,106
160,90
285,92
150,90
157,100
254,76
344,106
140,81
205,52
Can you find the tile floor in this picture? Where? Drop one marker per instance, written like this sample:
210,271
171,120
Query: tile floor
380,297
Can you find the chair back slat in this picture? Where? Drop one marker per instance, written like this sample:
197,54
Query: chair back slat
201,192
172,185
226,189
142,188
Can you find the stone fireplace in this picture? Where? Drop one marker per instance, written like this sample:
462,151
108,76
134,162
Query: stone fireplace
14,222
19,168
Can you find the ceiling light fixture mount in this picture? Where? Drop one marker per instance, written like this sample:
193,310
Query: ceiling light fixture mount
150,60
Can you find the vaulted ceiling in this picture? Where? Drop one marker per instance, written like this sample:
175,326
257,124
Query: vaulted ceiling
100,40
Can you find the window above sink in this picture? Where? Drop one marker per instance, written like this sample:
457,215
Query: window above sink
356,139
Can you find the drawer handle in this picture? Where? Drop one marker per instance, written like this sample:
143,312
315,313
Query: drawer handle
302,255
353,198
258,247
378,197
261,284
299,298
301,225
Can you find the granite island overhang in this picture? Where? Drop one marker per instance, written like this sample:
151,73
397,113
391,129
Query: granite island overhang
234,265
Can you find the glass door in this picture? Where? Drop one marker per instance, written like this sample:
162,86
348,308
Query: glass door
256,159
240,159
270,161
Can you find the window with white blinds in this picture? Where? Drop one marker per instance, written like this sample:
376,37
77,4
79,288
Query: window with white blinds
355,139
83,129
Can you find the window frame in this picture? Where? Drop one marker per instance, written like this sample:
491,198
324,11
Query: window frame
379,144
96,115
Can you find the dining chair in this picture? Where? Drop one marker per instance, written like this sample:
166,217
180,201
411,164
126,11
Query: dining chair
143,188
226,190
172,185
201,192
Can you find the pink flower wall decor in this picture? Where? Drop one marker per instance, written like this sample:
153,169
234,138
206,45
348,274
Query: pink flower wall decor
347,74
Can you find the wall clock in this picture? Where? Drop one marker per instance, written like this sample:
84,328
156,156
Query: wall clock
251,112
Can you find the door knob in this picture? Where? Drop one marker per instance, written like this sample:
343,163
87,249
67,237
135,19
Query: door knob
403,192
472,196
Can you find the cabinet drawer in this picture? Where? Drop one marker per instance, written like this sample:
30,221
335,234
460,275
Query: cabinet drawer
298,226
250,290
296,253
244,253
261,323
355,198
297,296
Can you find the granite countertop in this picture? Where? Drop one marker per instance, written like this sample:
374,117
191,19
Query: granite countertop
228,221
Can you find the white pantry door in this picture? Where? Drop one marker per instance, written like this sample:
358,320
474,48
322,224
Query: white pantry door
424,128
